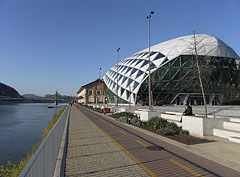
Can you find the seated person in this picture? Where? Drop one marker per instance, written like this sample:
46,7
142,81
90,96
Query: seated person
188,110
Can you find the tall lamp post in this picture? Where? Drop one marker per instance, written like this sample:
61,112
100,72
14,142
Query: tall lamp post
99,86
149,62
117,76
100,73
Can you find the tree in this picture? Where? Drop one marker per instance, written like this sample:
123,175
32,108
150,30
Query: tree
195,43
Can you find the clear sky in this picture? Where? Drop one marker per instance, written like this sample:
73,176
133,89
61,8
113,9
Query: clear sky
48,45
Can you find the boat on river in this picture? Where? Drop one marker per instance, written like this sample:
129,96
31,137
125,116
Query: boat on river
55,104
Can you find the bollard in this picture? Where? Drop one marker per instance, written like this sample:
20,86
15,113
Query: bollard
129,120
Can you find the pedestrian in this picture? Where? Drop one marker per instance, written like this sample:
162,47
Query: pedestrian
188,110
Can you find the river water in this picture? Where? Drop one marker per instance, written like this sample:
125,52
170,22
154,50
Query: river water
21,127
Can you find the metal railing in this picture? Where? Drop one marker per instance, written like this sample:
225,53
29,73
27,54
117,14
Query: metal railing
43,162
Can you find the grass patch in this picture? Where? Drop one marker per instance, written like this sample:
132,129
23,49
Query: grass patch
14,169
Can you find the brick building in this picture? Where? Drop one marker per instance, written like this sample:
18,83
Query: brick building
92,92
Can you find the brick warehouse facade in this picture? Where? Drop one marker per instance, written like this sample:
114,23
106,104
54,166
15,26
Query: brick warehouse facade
92,92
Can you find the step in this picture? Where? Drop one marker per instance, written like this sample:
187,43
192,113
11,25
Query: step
225,133
231,126
176,113
234,139
235,120
171,117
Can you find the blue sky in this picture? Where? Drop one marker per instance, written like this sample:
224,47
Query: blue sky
61,44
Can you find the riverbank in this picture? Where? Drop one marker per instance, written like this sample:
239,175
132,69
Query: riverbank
27,100
21,126
13,169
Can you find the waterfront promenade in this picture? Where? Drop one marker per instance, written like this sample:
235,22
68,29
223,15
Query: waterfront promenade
99,146
91,153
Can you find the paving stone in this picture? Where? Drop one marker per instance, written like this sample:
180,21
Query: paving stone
91,153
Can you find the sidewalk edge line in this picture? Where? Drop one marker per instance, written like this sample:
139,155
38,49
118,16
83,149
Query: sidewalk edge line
126,152
185,168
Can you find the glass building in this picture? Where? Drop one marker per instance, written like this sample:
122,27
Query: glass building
174,73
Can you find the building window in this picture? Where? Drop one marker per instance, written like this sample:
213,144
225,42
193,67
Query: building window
98,92
90,92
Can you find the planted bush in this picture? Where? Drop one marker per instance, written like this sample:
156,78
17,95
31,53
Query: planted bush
123,114
123,119
183,132
163,127
157,123
169,130
98,110
135,121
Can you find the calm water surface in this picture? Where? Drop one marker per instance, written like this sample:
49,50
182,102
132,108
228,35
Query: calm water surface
21,126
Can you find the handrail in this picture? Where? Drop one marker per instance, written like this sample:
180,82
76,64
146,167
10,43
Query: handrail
44,159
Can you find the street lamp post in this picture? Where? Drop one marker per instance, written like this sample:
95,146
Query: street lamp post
149,62
100,73
118,49
98,87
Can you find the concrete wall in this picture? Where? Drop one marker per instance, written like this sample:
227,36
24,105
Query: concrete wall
146,115
82,94
199,126
126,109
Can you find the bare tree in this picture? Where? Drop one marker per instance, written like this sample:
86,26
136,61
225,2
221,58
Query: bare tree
199,74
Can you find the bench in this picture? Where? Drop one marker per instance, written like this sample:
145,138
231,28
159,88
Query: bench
172,117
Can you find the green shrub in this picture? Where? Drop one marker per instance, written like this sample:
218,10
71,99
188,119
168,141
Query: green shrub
123,114
98,110
170,129
173,126
166,132
157,123
183,132
163,127
123,119
135,121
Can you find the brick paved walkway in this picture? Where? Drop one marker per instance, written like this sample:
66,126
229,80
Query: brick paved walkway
91,153
100,146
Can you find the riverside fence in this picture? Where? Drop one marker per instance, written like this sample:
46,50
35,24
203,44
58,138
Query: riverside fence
44,159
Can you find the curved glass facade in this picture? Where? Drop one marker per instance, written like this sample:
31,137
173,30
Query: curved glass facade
174,73
177,81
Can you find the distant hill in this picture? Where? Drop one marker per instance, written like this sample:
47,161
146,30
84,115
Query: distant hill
7,91
30,96
59,97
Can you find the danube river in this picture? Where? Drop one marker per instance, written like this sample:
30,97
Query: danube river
21,127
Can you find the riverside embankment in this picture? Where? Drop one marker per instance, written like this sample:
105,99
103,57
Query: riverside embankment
21,127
